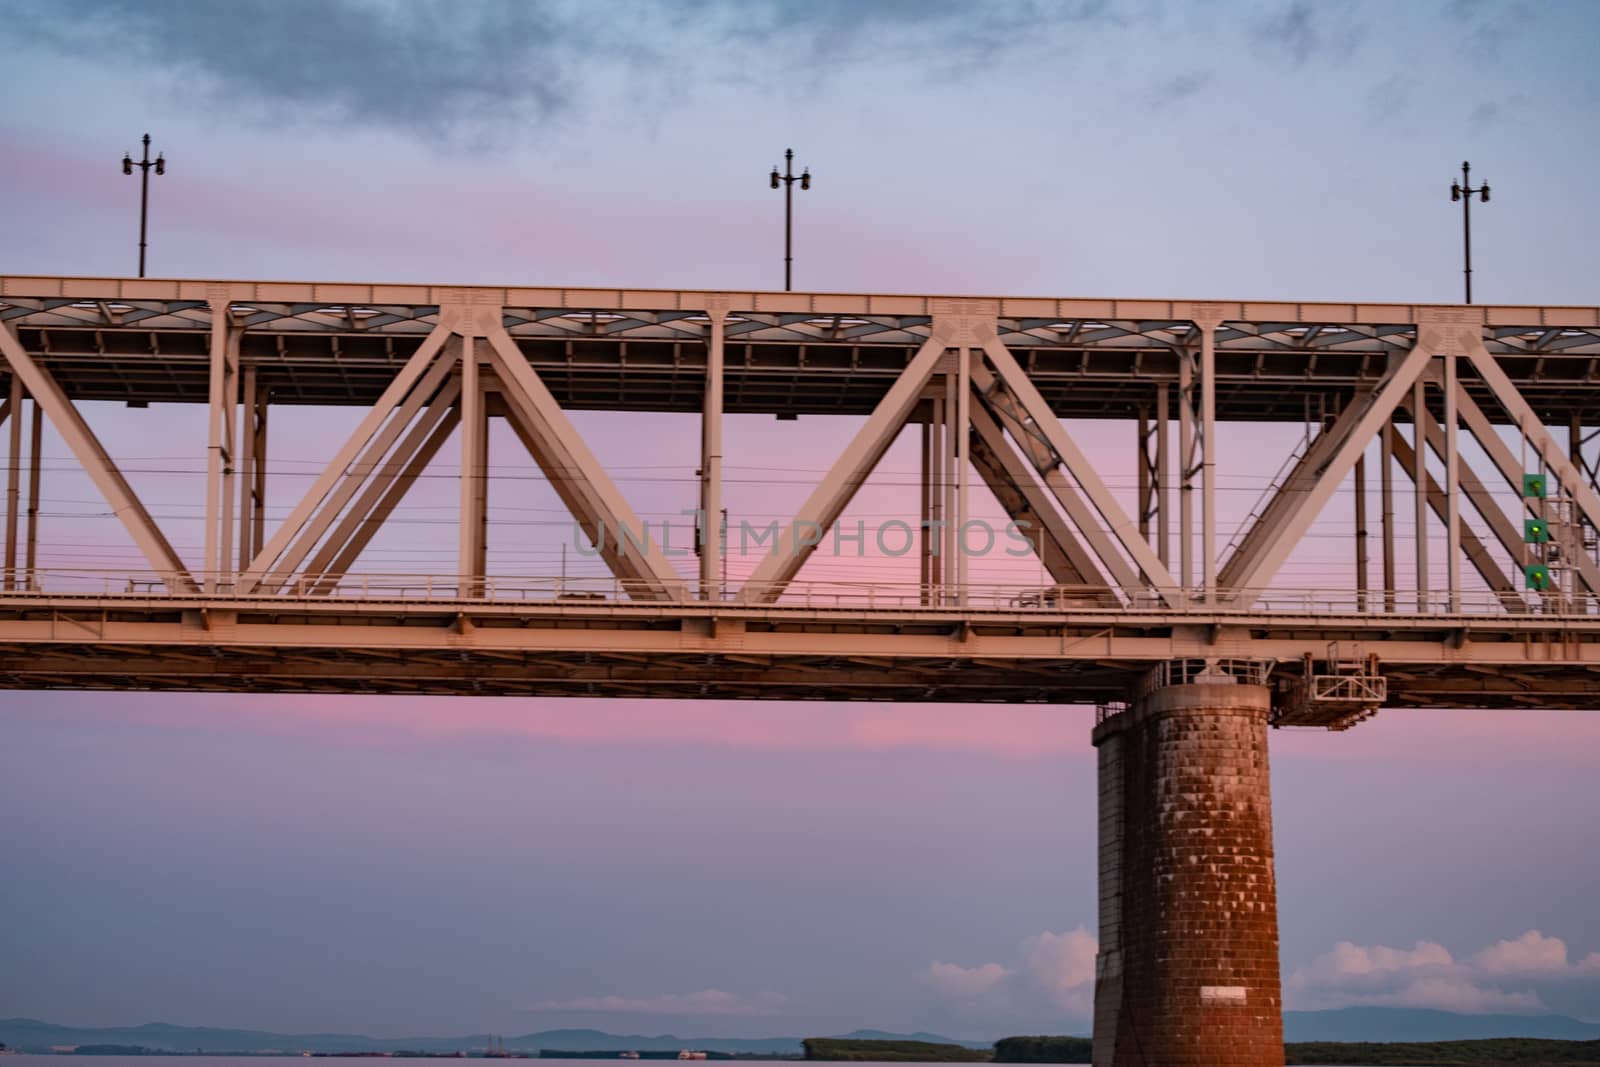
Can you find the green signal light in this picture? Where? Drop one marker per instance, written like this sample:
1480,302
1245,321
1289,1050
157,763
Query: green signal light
1535,531
1538,576
1533,485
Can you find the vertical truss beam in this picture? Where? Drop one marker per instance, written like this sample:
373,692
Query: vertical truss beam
13,423
1362,565
963,458
1163,473
932,505
953,431
797,541
712,534
252,470
31,560
97,463
578,478
1419,495
1120,527
472,557
1187,447
1208,323
1386,495
1361,420
220,452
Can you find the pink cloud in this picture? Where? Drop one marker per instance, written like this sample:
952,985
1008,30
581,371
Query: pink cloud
1503,977
1018,731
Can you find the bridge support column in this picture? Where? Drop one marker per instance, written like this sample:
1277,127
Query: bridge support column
1188,966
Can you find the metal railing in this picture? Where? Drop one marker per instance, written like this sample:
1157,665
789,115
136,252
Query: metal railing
1192,671
971,599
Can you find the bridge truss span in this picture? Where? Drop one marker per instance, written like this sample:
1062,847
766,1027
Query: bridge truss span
1475,422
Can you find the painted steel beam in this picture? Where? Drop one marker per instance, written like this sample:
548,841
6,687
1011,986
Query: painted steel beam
1254,574
1120,527
1534,431
578,478
342,547
1013,484
1031,440
828,500
96,462
271,562
1476,552
1287,494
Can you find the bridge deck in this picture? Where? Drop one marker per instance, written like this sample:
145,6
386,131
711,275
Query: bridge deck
793,651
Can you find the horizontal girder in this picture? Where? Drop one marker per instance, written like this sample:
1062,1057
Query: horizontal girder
773,652
146,341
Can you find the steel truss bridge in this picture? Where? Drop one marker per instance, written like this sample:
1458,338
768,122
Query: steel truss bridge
1503,398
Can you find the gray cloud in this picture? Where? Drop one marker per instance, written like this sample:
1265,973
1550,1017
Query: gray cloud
1292,28
469,72
1178,88
428,66
1390,97
1303,30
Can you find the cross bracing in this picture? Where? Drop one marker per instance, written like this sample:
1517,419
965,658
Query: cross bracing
1441,413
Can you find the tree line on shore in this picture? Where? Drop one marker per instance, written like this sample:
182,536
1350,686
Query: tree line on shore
1491,1052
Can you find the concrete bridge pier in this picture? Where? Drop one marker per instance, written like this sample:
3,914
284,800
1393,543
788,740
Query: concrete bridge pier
1187,974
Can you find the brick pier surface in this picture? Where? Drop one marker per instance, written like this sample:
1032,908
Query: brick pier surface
1188,969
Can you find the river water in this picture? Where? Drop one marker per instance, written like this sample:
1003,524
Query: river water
26,1060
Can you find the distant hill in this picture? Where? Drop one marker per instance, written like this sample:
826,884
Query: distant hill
1426,1024
32,1035
1345,1024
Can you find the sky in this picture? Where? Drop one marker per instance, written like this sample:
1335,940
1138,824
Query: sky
404,865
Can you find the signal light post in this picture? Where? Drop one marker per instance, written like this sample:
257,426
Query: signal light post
144,165
787,180
1463,191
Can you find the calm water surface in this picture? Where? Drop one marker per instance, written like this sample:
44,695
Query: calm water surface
324,1061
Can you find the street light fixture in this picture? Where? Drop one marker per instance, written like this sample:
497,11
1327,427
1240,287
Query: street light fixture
1463,191
144,165
787,180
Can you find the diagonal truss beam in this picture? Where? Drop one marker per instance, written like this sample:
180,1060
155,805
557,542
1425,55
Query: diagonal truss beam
1008,410
394,490
827,502
1534,431
97,463
1256,571
272,558
1119,525
344,476
1474,549
1287,495
1505,531
578,478
1027,504
1510,468
339,551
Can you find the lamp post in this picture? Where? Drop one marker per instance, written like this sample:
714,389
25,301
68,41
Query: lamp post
144,165
1463,191
787,180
